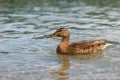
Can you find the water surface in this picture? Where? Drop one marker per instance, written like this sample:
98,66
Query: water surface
25,53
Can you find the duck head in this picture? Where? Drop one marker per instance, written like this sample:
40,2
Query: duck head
61,32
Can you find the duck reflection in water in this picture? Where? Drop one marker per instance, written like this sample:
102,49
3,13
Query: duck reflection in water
64,70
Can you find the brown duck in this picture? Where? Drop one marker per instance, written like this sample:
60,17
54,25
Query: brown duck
82,47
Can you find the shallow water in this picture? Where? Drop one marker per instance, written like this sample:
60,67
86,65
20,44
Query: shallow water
26,53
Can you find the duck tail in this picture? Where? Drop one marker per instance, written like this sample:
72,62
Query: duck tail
108,44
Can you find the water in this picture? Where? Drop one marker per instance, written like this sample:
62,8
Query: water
25,53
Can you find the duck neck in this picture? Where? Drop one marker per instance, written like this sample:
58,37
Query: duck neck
65,40
63,46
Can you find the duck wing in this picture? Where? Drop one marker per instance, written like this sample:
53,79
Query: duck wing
86,46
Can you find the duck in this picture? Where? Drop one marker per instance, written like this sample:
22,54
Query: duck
80,47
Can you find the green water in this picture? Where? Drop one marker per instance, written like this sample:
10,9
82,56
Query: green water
26,54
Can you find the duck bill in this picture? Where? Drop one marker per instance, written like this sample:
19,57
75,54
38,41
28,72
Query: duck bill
52,36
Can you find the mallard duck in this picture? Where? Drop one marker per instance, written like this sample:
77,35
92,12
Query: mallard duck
81,47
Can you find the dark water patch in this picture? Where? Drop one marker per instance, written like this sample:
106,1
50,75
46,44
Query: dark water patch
28,32
4,52
9,31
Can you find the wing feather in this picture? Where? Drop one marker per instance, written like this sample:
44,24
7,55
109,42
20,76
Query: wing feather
86,46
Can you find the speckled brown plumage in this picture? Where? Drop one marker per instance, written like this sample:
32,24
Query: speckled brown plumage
82,47
86,46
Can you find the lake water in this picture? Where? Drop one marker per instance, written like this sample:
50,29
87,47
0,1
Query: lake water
26,54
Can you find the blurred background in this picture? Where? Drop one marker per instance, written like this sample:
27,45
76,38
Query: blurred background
26,53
